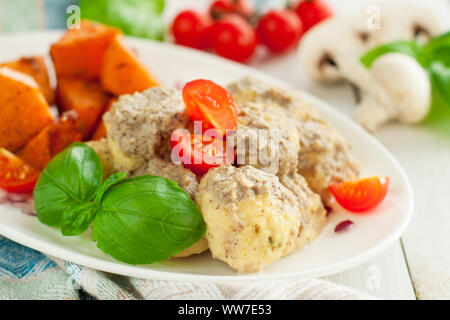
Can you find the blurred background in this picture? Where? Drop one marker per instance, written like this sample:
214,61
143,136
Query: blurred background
23,15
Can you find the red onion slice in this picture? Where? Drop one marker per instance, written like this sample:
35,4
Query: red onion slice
25,207
3,196
343,226
18,197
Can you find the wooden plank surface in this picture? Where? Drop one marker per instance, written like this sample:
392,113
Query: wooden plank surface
426,159
385,277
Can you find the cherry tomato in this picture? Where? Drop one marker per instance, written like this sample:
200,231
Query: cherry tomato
220,8
16,175
361,195
312,12
279,30
191,28
233,38
208,102
200,153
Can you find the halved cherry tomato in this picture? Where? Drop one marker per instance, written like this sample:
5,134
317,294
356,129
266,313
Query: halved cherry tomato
361,195
15,174
208,102
200,153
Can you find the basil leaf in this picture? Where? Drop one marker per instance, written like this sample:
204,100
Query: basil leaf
110,181
141,18
407,47
440,79
69,179
146,219
439,115
438,50
76,219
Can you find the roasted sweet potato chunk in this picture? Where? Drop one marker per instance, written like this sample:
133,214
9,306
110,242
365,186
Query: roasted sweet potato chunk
52,140
36,68
122,72
86,97
24,112
79,53
100,132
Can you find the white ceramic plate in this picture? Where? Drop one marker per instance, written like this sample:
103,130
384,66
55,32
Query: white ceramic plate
330,253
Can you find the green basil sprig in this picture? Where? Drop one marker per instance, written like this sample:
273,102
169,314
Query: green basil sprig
138,220
434,57
435,50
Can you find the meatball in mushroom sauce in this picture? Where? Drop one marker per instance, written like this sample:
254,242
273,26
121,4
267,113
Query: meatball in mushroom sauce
323,156
252,218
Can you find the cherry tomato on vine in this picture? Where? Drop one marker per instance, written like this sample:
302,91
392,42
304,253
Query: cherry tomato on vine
210,103
233,38
279,30
191,28
361,195
16,175
311,12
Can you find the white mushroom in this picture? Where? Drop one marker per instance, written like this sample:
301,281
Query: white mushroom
328,50
331,51
396,87
399,90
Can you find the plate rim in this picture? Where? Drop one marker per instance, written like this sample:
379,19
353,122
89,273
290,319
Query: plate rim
144,273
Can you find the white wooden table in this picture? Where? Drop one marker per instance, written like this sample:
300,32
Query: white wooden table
418,265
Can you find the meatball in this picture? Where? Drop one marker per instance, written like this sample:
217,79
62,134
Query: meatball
122,162
323,155
274,135
311,207
185,178
250,89
104,153
141,124
197,248
251,218
325,158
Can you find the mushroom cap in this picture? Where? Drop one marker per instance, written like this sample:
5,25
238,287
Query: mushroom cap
330,51
403,86
328,46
